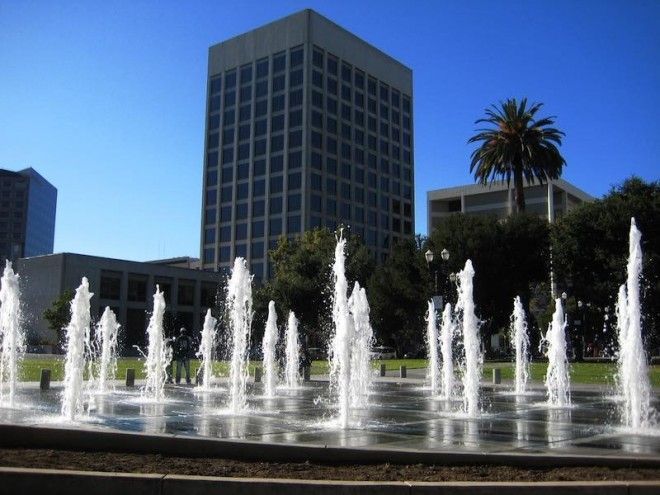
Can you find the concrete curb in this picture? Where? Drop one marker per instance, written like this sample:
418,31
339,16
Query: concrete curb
19,436
55,482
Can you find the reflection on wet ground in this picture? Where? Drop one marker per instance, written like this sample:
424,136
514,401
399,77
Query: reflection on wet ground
400,416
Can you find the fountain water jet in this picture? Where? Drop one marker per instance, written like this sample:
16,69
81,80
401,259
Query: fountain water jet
207,349
557,380
105,343
361,373
520,342
159,354
239,313
269,345
632,372
473,363
447,330
11,335
292,353
77,345
433,371
340,346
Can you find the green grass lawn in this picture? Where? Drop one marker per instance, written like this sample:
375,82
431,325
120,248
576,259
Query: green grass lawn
588,373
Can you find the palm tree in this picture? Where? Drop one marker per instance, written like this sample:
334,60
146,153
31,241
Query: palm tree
516,146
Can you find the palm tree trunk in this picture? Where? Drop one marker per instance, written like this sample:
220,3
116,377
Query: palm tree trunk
518,186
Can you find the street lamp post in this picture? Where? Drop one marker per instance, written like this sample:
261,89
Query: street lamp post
444,255
429,259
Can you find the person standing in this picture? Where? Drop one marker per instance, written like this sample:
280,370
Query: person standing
182,346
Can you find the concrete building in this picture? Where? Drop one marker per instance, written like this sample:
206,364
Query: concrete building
27,214
549,200
126,286
306,126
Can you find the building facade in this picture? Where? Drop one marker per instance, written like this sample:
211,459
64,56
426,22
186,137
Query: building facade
307,126
28,203
549,200
127,287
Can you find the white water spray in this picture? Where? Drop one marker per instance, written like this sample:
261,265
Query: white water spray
239,308
361,373
632,370
557,380
77,342
447,330
269,345
159,355
520,342
105,343
432,340
207,350
11,335
292,353
342,339
473,363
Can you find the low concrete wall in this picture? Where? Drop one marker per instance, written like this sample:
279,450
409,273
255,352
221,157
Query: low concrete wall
18,436
56,482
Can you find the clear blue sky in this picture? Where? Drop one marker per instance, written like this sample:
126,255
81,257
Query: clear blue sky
106,98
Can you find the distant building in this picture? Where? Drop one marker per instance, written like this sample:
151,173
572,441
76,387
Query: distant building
549,200
307,126
125,286
27,214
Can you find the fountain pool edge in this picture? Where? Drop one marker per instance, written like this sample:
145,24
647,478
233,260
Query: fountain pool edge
19,436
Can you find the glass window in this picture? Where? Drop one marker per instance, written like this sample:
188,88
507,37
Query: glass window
384,93
261,108
316,182
406,104
346,131
259,187
215,85
295,160
317,140
242,191
225,213
296,57
276,143
358,118
260,127
211,177
317,99
230,99
214,103
331,145
262,68
275,226
371,86
240,251
244,132
317,79
295,118
209,216
293,202
241,211
331,125
317,58
275,205
230,79
359,195
346,151
317,160
246,74
245,94
330,206
278,83
346,92
229,117
209,255
260,147
296,78
259,167
346,112
358,214
258,208
212,159
243,171
316,203
276,123
345,190
332,85
331,106
295,180
317,119
346,170
346,72
211,197
330,186
331,166
276,184
225,233
332,65
359,99
295,98
293,224
279,62
278,103
228,136
345,211
244,151
213,140
214,122
258,246
224,253
241,231
262,89
359,78
257,229
295,139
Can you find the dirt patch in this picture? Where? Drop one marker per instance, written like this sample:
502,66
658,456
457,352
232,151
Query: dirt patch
154,463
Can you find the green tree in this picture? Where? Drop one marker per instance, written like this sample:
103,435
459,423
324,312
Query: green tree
509,256
302,278
398,292
59,314
590,250
517,146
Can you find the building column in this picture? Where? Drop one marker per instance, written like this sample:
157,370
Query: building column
123,299
551,203
197,307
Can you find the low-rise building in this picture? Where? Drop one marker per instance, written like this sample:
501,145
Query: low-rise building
550,200
125,286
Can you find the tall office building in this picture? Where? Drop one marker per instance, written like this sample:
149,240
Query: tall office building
307,126
27,214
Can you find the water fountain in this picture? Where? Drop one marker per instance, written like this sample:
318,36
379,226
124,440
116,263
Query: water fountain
433,369
159,354
553,344
447,330
520,342
632,372
239,316
269,345
342,339
473,355
206,350
292,353
361,372
11,335
105,343
77,345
